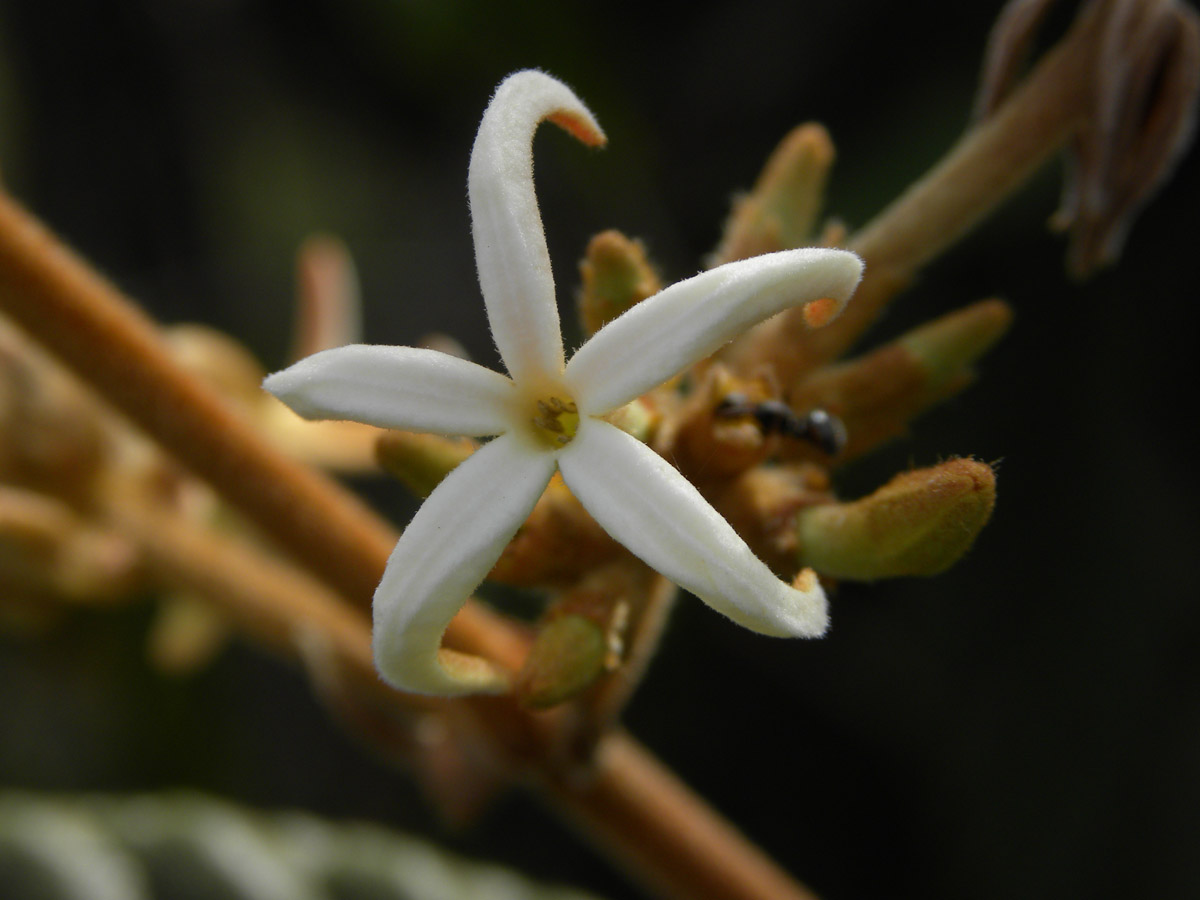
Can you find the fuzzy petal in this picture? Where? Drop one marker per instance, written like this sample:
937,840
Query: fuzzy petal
691,319
643,502
450,545
510,246
397,387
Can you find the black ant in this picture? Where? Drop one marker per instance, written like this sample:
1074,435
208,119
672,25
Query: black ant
775,417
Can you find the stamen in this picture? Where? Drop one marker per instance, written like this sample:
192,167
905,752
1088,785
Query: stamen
556,420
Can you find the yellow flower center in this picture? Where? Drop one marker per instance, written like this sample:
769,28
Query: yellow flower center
555,420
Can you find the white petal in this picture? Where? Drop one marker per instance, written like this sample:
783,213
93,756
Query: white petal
510,246
643,502
397,387
666,333
450,545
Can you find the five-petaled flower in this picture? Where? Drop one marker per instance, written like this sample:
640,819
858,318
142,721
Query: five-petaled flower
549,413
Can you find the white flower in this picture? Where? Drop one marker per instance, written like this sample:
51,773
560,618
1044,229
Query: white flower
549,413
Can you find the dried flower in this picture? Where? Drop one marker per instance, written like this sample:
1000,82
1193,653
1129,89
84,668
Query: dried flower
550,413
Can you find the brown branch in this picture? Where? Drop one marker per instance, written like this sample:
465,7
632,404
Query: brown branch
982,170
601,710
266,599
653,824
78,315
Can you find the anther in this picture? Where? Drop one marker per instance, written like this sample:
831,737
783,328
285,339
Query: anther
555,419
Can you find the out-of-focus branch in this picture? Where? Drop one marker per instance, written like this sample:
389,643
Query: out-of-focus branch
75,313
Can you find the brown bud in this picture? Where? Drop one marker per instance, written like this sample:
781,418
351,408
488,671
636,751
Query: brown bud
328,306
616,276
781,212
878,394
919,523
1142,94
186,634
582,635
46,548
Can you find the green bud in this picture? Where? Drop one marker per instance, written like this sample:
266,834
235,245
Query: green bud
567,657
781,212
616,276
421,461
947,347
919,523
877,395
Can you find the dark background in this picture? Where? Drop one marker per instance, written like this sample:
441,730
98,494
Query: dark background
1027,725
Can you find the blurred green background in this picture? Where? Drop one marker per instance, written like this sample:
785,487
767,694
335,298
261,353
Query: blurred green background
1027,725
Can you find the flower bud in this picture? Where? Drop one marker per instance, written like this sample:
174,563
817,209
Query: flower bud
919,523
781,212
421,461
616,276
567,656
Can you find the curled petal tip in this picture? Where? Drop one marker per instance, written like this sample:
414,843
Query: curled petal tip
815,604
821,312
806,581
557,103
473,674
583,128
643,502
796,610
510,247
801,609
445,552
446,673
845,272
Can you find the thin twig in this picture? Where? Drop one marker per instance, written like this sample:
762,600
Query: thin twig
266,599
982,170
601,710
630,793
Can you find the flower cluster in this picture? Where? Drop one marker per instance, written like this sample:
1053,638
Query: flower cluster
549,414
